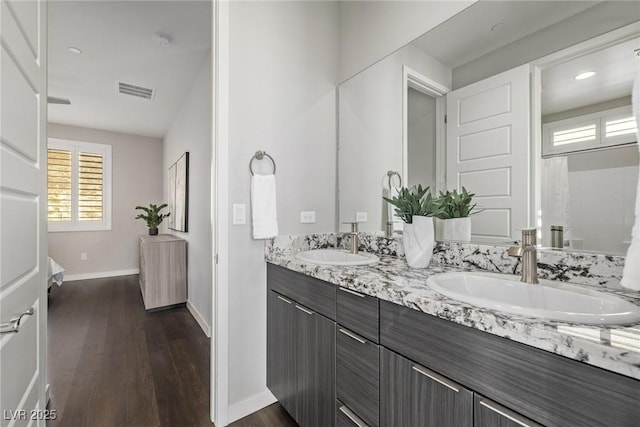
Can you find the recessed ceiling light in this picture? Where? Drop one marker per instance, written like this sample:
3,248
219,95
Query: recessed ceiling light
585,75
498,26
75,50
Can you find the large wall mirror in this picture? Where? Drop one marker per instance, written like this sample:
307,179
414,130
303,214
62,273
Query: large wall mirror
456,108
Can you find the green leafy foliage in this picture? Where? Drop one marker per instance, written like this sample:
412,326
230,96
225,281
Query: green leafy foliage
456,205
152,214
415,201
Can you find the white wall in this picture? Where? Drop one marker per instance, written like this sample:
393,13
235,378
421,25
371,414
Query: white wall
370,135
593,22
371,30
137,175
191,131
282,99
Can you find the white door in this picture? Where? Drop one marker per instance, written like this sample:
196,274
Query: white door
23,209
488,152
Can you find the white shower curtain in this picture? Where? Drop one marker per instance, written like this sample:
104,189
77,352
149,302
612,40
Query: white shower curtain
631,274
555,196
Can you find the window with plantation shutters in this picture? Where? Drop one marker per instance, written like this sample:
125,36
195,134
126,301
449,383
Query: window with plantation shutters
78,183
605,129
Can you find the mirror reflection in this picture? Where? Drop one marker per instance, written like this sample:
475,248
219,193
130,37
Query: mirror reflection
392,119
589,167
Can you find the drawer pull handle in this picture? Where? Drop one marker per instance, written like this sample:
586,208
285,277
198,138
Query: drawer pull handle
13,325
353,417
437,378
284,299
354,336
304,309
349,291
505,414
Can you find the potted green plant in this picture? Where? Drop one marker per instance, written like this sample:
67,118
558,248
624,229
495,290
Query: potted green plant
454,222
152,216
417,208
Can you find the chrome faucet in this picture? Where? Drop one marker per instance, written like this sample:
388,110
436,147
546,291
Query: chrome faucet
528,251
354,237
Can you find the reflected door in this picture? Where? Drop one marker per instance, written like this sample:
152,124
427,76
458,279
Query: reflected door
488,152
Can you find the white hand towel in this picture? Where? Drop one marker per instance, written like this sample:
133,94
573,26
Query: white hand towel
263,206
631,273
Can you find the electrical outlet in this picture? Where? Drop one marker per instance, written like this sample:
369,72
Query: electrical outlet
361,217
83,256
307,217
239,214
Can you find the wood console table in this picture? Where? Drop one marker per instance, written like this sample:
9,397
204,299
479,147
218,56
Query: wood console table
163,270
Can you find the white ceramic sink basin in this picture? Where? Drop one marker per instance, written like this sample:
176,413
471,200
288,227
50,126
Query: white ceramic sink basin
548,300
336,257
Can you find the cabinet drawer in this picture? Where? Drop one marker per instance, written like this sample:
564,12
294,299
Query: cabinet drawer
313,293
346,418
358,374
489,414
358,312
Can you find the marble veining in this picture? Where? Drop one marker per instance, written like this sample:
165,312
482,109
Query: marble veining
615,348
601,271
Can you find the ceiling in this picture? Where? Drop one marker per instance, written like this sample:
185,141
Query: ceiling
116,40
469,35
615,68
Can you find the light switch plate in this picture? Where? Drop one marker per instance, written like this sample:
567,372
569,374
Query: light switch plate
307,217
361,217
239,214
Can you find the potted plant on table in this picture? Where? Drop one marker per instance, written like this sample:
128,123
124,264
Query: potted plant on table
454,222
417,208
153,217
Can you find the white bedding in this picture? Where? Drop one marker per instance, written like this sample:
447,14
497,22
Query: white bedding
56,273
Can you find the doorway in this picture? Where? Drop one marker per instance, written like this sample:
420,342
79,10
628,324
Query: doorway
160,46
423,133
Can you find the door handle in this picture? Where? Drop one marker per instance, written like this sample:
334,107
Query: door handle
353,336
437,378
304,310
353,417
506,413
13,325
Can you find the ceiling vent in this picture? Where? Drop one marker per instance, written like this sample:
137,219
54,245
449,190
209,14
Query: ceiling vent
133,90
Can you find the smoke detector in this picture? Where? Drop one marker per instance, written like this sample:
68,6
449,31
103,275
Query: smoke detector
161,39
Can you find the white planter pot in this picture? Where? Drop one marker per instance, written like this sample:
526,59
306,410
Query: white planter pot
418,239
456,229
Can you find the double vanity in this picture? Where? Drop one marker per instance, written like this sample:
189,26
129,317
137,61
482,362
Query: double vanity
379,344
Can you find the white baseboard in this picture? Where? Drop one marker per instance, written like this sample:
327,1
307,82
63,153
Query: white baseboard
196,315
99,275
249,406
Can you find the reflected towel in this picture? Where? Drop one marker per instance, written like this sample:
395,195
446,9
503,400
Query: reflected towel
631,273
396,221
263,206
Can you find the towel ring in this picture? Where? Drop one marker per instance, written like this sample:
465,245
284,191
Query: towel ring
259,156
390,175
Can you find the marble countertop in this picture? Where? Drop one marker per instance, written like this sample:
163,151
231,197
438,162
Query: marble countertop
615,348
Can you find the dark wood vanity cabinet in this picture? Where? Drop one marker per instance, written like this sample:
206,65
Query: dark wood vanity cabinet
337,357
487,413
412,395
301,347
301,361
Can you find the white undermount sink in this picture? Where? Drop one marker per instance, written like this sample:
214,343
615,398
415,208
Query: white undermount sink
548,300
336,257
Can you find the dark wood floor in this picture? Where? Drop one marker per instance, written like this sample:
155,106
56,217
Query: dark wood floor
112,364
271,416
